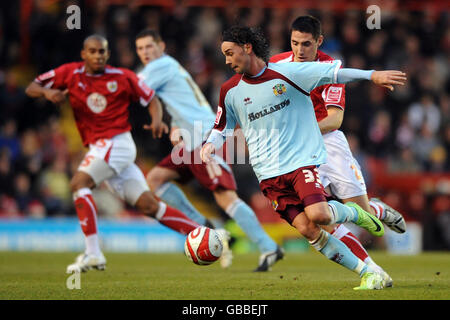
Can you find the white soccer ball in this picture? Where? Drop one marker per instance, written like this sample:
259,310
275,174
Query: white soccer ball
203,246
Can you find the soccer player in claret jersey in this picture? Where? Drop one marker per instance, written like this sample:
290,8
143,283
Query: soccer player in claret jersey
285,142
100,95
340,175
193,117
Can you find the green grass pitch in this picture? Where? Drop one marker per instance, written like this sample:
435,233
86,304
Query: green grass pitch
300,276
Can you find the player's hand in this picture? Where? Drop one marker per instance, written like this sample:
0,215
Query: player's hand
206,153
157,129
388,78
55,95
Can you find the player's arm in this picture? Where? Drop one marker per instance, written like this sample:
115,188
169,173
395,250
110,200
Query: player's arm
309,75
157,127
386,78
332,121
36,90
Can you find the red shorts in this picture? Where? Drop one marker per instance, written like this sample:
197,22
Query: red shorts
192,167
290,193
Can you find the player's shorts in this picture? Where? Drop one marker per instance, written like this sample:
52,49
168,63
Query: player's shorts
290,193
342,172
188,165
112,161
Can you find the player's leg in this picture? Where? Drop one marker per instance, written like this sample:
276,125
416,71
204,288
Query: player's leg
159,179
246,219
91,172
131,186
335,250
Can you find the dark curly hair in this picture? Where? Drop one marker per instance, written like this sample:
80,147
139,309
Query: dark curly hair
242,35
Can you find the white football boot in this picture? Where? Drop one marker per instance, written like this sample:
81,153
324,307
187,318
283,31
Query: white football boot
268,259
85,262
226,259
393,219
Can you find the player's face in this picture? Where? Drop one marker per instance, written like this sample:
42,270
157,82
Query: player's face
95,54
148,49
235,56
304,46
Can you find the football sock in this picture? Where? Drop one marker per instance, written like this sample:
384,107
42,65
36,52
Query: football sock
340,213
244,216
175,197
335,250
174,219
87,215
378,209
351,241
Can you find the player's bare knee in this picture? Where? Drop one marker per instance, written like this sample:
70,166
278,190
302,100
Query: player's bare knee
320,217
81,180
147,204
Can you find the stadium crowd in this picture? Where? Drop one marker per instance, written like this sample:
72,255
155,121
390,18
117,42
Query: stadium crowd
407,130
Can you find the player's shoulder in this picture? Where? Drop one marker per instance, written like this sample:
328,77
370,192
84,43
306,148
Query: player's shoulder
282,57
323,57
230,83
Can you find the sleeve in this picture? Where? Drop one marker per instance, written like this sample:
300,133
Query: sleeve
139,91
225,120
156,74
309,75
55,78
334,95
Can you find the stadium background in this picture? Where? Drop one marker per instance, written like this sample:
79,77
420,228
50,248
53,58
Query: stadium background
401,139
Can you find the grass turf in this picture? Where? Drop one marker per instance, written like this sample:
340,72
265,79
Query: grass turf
300,276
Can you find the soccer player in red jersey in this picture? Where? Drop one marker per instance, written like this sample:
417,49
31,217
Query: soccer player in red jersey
341,174
100,95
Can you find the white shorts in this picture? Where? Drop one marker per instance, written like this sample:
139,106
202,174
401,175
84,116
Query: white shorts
341,172
112,161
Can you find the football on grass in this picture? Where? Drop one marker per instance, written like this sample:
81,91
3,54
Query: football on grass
203,246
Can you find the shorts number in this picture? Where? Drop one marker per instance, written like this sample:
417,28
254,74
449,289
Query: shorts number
310,176
356,171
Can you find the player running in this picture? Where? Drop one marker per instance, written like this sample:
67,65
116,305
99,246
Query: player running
285,142
100,95
193,117
341,175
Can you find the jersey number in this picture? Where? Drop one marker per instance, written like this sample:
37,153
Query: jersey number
195,89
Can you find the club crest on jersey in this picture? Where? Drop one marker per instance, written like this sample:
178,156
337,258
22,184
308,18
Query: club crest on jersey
96,102
112,86
279,89
247,101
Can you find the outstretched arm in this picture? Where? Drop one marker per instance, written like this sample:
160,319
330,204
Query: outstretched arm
387,78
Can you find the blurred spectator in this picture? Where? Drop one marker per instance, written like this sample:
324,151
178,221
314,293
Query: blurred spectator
423,112
9,139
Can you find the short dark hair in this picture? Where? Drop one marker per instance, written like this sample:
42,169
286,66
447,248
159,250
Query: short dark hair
97,37
149,33
243,35
307,24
